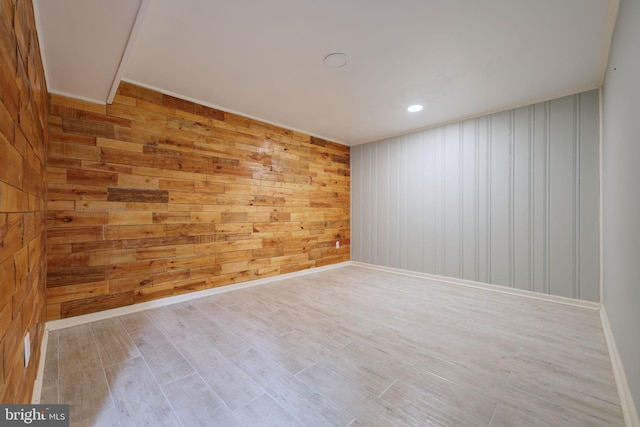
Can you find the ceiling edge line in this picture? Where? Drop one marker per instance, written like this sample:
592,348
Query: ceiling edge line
227,110
612,20
128,50
483,114
43,56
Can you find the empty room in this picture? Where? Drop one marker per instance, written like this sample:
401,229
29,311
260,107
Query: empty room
336,213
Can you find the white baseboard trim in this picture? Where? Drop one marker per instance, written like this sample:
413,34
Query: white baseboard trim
54,325
488,287
626,399
37,386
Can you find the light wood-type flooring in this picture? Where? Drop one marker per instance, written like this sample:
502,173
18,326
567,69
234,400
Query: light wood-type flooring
345,347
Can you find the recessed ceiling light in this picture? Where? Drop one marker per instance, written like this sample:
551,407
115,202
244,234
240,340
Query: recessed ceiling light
336,60
414,108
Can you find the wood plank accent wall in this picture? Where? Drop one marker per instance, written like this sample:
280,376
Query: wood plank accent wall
23,115
154,196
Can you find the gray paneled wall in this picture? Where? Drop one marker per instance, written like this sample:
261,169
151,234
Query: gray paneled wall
621,195
508,199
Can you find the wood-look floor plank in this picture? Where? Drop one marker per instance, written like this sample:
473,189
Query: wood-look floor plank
423,407
468,373
546,410
305,345
252,329
361,402
570,394
113,341
137,397
51,358
196,405
78,354
164,360
226,379
174,327
505,416
87,396
474,403
136,321
359,373
302,401
263,411
50,377
50,394
75,338
105,418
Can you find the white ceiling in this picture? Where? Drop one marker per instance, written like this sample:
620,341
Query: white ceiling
264,59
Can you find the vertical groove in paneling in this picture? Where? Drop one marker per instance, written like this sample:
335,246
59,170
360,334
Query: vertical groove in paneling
547,185
402,184
489,182
401,200
433,261
370,218
442,213
363,206
362,236
511,198
423,244
511,203
532,199
461,199
386,207
477,200
372,231
576,193
387,232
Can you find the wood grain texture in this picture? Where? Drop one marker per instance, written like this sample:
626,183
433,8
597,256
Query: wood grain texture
23,134
155,196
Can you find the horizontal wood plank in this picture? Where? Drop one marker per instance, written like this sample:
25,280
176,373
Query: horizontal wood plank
115,194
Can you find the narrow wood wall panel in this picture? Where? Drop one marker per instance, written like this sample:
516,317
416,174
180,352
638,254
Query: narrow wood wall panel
23,135
508,199
166,197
